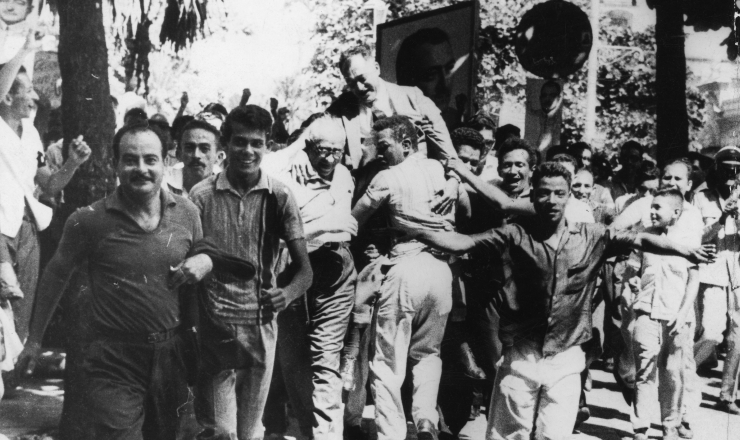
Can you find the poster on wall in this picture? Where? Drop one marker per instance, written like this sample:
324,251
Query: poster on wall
434,51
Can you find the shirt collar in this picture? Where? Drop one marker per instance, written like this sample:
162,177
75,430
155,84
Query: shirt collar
223,184
114,201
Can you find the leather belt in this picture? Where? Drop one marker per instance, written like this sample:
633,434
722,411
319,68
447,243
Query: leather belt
139,338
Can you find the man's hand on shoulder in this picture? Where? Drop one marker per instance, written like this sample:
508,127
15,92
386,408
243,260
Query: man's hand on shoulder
446,199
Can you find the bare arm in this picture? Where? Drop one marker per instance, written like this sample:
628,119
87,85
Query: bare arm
12,67
183,105
363,210
661,244
451,242
302,273
493,195
53,182
687,303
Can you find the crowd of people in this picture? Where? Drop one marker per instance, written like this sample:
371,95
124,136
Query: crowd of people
373,249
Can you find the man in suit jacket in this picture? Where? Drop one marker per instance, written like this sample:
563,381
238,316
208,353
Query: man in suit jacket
368,98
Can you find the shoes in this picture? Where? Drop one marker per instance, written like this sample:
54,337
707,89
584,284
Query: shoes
627,392
347,371
728,407
426,430
670,433
468,364
684,431
583,415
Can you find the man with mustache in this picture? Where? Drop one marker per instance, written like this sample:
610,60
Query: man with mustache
549,268
310,346
133,245
247,213
22,168
200,146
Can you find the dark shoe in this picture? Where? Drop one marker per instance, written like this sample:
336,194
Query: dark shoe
470,367
583,415
426,430
670,433
354,432
627,392
728,407
684,431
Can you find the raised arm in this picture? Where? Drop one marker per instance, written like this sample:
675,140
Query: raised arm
661,244
53,182
11,68
492,194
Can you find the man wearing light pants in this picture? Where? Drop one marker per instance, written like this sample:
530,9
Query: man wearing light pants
416,294
720,288
549,274
309,347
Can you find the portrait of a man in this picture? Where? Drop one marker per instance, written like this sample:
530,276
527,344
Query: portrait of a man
434,52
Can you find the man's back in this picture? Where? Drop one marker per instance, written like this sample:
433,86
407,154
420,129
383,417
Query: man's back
408,189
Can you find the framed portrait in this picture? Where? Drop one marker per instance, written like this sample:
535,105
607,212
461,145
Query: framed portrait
434,51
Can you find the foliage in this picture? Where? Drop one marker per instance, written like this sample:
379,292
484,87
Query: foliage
626,88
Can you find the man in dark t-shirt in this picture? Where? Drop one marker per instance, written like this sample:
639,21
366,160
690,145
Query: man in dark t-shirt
134,244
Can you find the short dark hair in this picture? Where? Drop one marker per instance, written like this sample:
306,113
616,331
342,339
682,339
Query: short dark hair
215,107
251,116
482,121
633,145
577,149
134,128
196,124
136,113
505,132
406,61
566,158
647,171
468,136
600,163
178,124
550,169
402,128
512,144
362,49
673,193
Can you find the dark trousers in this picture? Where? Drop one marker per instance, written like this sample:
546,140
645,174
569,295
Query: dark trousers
135,391
310,340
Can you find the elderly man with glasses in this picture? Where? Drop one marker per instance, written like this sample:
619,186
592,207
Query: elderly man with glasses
312,328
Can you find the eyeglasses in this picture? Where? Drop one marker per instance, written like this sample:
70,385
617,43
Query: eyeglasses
326,152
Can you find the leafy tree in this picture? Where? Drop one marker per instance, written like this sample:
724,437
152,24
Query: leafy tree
626,89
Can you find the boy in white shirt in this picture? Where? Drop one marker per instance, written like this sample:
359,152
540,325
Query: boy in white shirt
663,310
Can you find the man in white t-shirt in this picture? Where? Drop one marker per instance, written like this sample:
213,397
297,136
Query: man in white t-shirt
22,167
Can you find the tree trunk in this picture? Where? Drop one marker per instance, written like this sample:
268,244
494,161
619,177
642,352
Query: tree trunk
670,78
86,104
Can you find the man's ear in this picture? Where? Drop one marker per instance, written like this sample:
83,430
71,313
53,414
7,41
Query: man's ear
377,67
7,100
406,144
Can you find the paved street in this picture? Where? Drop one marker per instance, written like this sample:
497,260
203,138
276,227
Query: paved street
37,406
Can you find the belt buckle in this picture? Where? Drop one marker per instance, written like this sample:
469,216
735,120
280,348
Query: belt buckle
152,338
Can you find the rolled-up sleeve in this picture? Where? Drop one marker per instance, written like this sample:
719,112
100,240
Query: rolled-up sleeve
495,240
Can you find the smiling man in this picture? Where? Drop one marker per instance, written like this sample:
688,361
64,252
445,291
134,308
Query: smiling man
549,274
23,168
129,243
247,213
310,350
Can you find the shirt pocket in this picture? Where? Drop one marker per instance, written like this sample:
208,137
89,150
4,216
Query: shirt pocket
578,277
